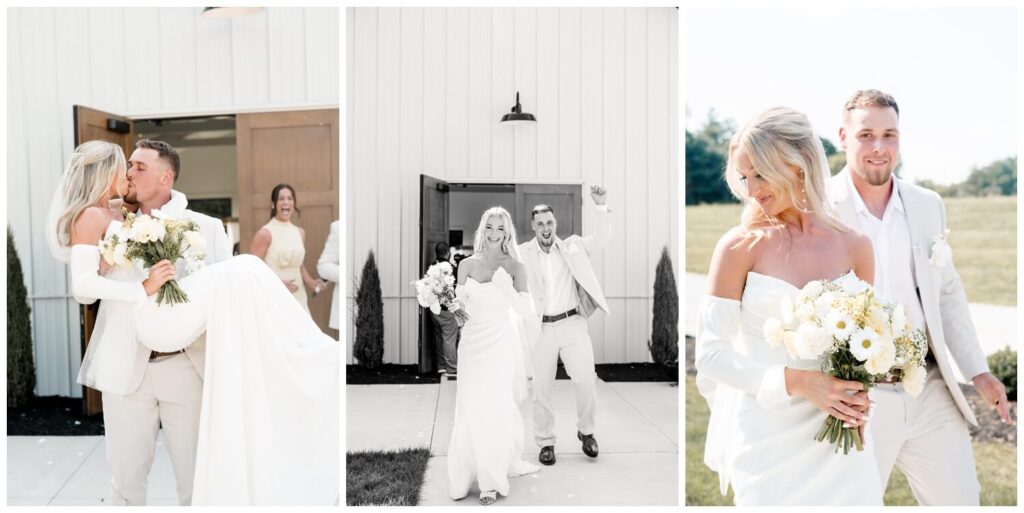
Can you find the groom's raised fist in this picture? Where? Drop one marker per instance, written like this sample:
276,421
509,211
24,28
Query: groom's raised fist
598,194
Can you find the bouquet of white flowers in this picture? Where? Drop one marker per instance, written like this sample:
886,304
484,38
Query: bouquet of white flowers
437,289
152,238
856,335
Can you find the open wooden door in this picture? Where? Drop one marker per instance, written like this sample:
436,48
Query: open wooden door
566,200
95,125
299,148
433,229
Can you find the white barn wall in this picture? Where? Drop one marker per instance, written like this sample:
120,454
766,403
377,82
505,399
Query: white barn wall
134,61
426,88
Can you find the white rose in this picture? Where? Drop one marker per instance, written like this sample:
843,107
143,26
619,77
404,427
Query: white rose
913,379
119,255
146,229
789,340
773,332
851,284
823,305
195,240
805,311
941,252
810,341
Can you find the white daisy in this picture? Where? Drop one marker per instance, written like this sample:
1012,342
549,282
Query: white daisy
864,343
839,324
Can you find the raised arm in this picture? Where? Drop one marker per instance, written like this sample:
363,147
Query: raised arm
602,220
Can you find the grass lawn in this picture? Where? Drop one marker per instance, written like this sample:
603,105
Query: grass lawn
983,234
385,478
996,465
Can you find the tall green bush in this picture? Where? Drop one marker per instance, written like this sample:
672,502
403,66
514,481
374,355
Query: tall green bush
1003,365
369,344
664,343
21,369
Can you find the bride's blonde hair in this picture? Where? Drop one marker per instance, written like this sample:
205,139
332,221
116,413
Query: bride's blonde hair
776,141
509,246
91,170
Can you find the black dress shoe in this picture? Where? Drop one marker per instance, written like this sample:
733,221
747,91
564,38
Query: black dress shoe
589,444
547,455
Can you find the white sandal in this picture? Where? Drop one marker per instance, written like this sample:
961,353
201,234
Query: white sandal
488,498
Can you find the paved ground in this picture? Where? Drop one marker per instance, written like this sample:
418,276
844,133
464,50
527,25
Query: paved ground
72,471
638,433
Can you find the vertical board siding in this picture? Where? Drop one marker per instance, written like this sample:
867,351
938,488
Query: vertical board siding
133,61
427,88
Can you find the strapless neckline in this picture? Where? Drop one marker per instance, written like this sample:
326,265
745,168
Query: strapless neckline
493,275
790,285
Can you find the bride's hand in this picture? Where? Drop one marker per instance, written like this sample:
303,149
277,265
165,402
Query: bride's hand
830,395
160,273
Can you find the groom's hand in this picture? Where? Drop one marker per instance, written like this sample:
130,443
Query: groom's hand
994,393
598,194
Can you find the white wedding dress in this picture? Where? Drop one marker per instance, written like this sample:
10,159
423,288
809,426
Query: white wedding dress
268,429
759,438
487,440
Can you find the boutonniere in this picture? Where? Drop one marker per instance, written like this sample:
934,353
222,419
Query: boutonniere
941,253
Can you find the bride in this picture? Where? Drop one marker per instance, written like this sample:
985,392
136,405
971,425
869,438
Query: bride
268,428
766,407
487,440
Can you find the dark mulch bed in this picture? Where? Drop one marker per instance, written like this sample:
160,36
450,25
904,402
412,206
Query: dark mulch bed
391,374
990,425
53,416
385,478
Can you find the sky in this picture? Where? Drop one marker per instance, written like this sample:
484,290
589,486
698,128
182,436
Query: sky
952,70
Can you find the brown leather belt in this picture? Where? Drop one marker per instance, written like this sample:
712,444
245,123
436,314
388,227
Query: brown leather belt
558,317
897,376
153,355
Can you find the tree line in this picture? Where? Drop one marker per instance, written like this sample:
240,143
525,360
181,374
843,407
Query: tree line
707,150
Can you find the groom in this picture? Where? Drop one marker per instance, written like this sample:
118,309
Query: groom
925,436
565,292
167,387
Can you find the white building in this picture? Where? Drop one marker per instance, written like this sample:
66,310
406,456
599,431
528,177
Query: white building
249,102
426,90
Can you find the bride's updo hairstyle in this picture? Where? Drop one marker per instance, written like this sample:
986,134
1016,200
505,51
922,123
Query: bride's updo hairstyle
91,170
509,246
777,141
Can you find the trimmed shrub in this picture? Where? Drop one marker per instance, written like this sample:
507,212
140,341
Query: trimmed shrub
21,370
664,343
1003,365
369,344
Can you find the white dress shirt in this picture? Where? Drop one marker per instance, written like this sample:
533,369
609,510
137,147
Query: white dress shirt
559,285
894,257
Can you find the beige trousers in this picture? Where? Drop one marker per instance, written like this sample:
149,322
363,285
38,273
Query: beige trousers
169,397
569,339
927,438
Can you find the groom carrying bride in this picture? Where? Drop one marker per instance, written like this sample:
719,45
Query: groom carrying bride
165,390
566,292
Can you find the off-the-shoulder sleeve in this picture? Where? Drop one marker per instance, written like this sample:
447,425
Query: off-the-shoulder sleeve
717,360
86,281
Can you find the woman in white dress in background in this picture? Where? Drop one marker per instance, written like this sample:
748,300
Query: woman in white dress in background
767,407
268,428
487,440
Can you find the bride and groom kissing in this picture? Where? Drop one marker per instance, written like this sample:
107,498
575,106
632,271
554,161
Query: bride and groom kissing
242,382
527,305
799,226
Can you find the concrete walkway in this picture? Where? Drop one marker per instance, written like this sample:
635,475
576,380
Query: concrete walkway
637,430
72,471
996,324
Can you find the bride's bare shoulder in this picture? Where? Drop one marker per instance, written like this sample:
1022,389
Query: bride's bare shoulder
733,257
90,226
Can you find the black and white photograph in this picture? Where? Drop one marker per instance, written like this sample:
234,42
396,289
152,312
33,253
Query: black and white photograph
512,239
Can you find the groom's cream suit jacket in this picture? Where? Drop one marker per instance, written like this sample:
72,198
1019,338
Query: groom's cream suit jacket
575,250
218,248
951,332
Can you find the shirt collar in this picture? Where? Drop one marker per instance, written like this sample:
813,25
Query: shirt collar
175,209
895,201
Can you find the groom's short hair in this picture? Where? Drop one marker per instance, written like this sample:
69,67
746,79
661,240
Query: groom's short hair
164,151
540,209
871,98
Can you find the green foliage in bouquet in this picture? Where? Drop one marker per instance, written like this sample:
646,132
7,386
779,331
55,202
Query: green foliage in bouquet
1003,365
664,342
21,369
369,344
